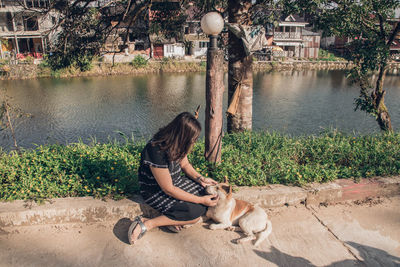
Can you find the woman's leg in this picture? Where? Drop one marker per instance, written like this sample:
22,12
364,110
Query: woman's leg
157,222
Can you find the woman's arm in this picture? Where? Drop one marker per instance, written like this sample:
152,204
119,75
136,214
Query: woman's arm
188,169
164,180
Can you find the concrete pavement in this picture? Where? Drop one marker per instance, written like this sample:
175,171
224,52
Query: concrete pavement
309,229
360,233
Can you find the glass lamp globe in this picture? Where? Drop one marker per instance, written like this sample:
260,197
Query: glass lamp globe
212,23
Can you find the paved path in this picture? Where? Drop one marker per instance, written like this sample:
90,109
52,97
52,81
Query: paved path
362,234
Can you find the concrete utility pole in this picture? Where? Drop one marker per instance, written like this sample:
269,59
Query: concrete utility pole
240,71
212,24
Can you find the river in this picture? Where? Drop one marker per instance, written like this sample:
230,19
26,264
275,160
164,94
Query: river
290,102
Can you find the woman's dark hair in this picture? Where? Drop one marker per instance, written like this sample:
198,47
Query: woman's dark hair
178,136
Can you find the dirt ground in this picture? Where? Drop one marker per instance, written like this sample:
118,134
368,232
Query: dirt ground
363,233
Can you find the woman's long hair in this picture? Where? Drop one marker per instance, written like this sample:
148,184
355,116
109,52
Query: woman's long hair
178,137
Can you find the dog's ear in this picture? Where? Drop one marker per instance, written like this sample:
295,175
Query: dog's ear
226,180
227,188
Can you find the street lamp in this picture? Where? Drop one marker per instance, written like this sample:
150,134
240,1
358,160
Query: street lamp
212,24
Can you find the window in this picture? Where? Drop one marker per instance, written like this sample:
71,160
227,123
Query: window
203,44
36,3
31,23
10,26
170,48
131,37
139,46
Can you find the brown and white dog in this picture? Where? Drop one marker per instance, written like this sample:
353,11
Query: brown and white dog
237,215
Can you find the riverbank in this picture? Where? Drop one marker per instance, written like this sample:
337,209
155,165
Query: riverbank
32,71
248,159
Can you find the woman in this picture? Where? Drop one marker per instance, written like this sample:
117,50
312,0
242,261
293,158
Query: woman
180,199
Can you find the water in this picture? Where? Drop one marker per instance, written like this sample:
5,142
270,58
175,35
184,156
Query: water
296,103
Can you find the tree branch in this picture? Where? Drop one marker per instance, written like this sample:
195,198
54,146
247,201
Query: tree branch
394,33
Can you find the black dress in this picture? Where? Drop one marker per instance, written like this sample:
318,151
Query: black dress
152,193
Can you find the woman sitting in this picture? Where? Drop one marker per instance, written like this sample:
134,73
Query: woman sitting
180,199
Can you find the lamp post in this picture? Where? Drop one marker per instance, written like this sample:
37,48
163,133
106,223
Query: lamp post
212,24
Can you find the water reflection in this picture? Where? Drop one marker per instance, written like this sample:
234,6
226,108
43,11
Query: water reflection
294,102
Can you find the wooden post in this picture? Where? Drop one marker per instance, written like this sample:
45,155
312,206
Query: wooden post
214,98
1,49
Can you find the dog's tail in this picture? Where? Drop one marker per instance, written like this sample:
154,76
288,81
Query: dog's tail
264,234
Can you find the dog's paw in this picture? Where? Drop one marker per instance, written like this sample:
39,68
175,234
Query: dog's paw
231,228
213,226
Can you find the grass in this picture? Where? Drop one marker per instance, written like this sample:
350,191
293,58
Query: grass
248,159
324,55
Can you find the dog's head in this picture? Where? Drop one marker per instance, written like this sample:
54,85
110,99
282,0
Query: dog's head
223,190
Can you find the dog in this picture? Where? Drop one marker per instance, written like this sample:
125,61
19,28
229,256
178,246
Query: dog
237,215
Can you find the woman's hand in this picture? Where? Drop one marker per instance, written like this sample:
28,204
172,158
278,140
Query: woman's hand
206,181
209,200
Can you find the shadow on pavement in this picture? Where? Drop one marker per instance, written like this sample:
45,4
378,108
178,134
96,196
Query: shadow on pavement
371,257
120,229
282,259
374,256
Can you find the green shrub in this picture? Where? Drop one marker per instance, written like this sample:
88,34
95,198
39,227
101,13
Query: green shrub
58,61
139,62
29,59
248,159
166,60
325,55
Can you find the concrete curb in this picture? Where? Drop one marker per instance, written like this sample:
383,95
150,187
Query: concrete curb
87,209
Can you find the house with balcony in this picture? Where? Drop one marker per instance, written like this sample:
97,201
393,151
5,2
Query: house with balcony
23,32
291,39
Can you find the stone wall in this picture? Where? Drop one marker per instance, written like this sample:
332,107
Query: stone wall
311,65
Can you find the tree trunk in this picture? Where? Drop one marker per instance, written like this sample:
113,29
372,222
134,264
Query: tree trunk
239,70
378,97
214,98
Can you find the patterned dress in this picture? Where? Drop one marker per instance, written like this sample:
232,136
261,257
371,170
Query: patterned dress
152,193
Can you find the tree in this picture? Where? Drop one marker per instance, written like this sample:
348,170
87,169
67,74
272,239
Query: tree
10,116
371,29
240,77
85,26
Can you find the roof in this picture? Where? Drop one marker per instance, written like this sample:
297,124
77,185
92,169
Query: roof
293,18
196,37
165,5
192,13
161,39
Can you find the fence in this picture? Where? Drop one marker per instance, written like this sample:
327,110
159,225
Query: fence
287,35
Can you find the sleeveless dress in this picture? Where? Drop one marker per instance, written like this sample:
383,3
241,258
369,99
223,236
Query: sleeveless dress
152,193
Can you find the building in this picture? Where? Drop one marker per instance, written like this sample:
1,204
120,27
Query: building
166,47
291,39
311,44
338,44
197,42
22,32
